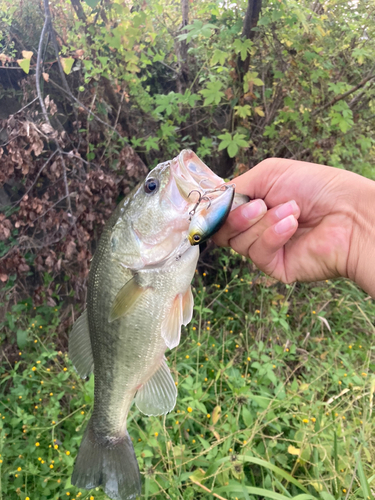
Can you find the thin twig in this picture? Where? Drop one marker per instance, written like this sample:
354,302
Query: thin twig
169,67
26,106
47,22
11,67
51,207
62,74
208,490
38,61
86,109
115,125
345,94
35,180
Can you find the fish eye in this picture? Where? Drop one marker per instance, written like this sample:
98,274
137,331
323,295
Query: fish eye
196,238
151,186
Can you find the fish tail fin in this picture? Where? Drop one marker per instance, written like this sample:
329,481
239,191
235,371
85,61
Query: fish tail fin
111,465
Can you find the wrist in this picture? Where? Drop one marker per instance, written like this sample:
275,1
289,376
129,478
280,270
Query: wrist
361,256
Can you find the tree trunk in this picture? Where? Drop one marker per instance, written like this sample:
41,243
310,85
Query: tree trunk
250,21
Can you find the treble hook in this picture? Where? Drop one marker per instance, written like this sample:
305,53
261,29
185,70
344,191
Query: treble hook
206,198
196,191
192,211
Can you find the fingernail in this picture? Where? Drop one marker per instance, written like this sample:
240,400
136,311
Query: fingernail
286,209
286,225
254,209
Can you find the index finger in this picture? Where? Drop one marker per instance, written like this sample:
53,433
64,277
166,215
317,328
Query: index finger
239,220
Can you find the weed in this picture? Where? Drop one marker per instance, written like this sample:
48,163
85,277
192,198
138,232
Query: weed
275,395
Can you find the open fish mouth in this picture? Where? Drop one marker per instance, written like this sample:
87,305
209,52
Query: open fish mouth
191,174
208,197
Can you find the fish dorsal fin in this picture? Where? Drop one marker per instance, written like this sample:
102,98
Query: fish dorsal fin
171,326
158,395
187,306
80,351
126,298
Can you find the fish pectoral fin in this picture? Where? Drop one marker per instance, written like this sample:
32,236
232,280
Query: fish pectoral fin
171,326
187,306
158,395
126,298
80,351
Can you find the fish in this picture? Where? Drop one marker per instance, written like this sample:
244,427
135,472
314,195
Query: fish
138,297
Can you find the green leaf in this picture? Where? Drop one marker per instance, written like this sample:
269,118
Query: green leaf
25,64
326,496
240,141
218,57
247,417
151,143
103,60
260,492
251,78
362,477
167,130
268,465
21,338
212,93
196,29
232,149
113,38
67,63
92,3
226,139
243,47
232,143
243,111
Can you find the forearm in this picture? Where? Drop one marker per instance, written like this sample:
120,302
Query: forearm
361,258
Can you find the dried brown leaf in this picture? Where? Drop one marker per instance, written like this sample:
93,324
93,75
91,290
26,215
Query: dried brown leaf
46,128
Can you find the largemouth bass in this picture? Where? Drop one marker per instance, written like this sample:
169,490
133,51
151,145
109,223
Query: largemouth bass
139,295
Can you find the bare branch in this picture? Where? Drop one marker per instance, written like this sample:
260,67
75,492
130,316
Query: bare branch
47,22
26,106
86,109
36,178
345,94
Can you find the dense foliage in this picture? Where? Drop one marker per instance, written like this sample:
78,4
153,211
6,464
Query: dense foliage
275,386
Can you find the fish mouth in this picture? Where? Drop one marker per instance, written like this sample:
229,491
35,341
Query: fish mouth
208,198
191,174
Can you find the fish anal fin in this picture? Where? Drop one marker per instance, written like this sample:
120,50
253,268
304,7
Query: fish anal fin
171,326
187,306
80,351
126,299
158,395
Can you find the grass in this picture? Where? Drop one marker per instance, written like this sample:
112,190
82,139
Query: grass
275,397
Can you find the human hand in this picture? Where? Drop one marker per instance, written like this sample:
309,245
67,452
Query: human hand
316,225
